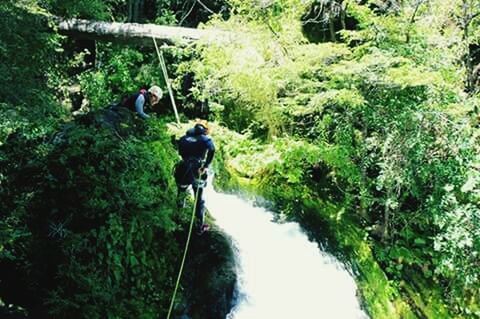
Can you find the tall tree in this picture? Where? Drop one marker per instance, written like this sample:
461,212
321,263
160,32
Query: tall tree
467,18
135,10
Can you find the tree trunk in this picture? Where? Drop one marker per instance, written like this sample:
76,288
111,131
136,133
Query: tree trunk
130,10
135,10
470,12
117,32
469,86
141,10
386,217
332,30
343,15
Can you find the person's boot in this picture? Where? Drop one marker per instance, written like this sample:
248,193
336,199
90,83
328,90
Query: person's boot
202,229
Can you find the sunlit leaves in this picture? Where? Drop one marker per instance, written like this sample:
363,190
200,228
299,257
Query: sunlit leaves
384,117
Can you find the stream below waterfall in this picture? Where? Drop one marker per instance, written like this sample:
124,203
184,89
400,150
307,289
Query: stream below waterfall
282,274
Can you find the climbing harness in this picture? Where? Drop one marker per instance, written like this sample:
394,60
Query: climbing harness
184,173
184,257
199,183
167,79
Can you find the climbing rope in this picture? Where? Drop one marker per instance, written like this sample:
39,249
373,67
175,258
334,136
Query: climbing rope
169,87
184,256
167,79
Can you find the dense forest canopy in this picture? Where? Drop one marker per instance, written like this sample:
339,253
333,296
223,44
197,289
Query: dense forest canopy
360,119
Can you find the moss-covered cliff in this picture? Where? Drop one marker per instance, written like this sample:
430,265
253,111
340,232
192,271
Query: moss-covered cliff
97,232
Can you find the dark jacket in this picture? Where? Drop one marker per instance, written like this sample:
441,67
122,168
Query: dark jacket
134,104
195,144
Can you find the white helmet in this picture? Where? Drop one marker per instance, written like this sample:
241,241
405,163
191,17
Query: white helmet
157,91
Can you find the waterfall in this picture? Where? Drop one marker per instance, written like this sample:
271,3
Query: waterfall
281,273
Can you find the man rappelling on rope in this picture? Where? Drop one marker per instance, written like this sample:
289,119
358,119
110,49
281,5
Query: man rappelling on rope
196,149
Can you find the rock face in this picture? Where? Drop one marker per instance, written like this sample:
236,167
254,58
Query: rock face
209,276
96,210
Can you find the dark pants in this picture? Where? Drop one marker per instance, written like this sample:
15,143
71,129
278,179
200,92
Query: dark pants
186,174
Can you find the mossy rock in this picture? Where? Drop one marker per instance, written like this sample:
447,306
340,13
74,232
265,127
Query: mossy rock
209,276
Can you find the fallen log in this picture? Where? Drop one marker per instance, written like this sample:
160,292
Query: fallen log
116,31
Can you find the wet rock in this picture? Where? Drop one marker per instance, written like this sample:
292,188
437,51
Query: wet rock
209,276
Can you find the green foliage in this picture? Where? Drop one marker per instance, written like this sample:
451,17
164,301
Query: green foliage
377,127
188,13
90,9
254,95
30,115
100,208
27,51
270,11
96,89
457,243
123,72
166,17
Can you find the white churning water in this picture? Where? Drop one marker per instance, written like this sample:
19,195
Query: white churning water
281,273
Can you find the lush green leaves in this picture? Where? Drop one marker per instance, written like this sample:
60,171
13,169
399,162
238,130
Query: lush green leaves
379,127
103,206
